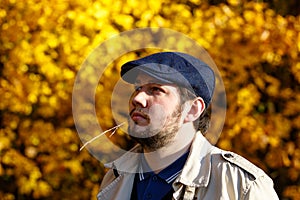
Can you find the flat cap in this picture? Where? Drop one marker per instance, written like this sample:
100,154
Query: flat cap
176,68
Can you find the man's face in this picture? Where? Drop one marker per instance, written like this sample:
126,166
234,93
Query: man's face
155,112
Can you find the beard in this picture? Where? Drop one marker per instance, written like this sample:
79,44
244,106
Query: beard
158,138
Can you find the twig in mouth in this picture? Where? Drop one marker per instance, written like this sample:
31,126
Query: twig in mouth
96,137
113,132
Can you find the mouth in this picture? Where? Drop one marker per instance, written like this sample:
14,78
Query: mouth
139,118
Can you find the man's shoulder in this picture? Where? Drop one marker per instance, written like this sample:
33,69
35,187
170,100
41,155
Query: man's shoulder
233,162
237,172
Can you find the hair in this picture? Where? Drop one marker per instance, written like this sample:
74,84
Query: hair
203,122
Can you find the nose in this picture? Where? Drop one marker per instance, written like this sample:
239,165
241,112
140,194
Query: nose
139,98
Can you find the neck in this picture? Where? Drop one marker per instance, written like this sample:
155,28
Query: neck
161,158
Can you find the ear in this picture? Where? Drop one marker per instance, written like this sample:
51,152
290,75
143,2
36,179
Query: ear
197,106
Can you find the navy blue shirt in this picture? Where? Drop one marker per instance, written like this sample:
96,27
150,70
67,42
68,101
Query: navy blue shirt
149,185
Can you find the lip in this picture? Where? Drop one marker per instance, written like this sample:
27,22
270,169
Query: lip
139,117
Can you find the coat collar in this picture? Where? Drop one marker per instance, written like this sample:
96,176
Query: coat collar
196,171
128,162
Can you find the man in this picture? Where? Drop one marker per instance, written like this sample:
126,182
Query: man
169,114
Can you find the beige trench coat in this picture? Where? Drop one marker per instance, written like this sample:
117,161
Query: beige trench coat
209,174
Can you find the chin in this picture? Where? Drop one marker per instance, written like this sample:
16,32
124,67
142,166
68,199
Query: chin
138,131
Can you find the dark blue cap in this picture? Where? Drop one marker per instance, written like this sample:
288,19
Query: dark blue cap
176,68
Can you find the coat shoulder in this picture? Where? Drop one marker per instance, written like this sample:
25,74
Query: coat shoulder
242,163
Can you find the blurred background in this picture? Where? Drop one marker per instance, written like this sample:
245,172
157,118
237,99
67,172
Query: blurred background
43,43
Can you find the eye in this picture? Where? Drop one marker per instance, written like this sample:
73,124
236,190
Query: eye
155,89
137,88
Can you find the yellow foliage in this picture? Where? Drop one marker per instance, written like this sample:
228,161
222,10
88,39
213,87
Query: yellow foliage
292,192
43,44
74,166
4,143
247,98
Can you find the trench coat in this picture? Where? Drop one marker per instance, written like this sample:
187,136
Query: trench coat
208,174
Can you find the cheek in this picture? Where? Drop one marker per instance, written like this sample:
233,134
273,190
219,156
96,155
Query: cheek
171,105
158,116
157,111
